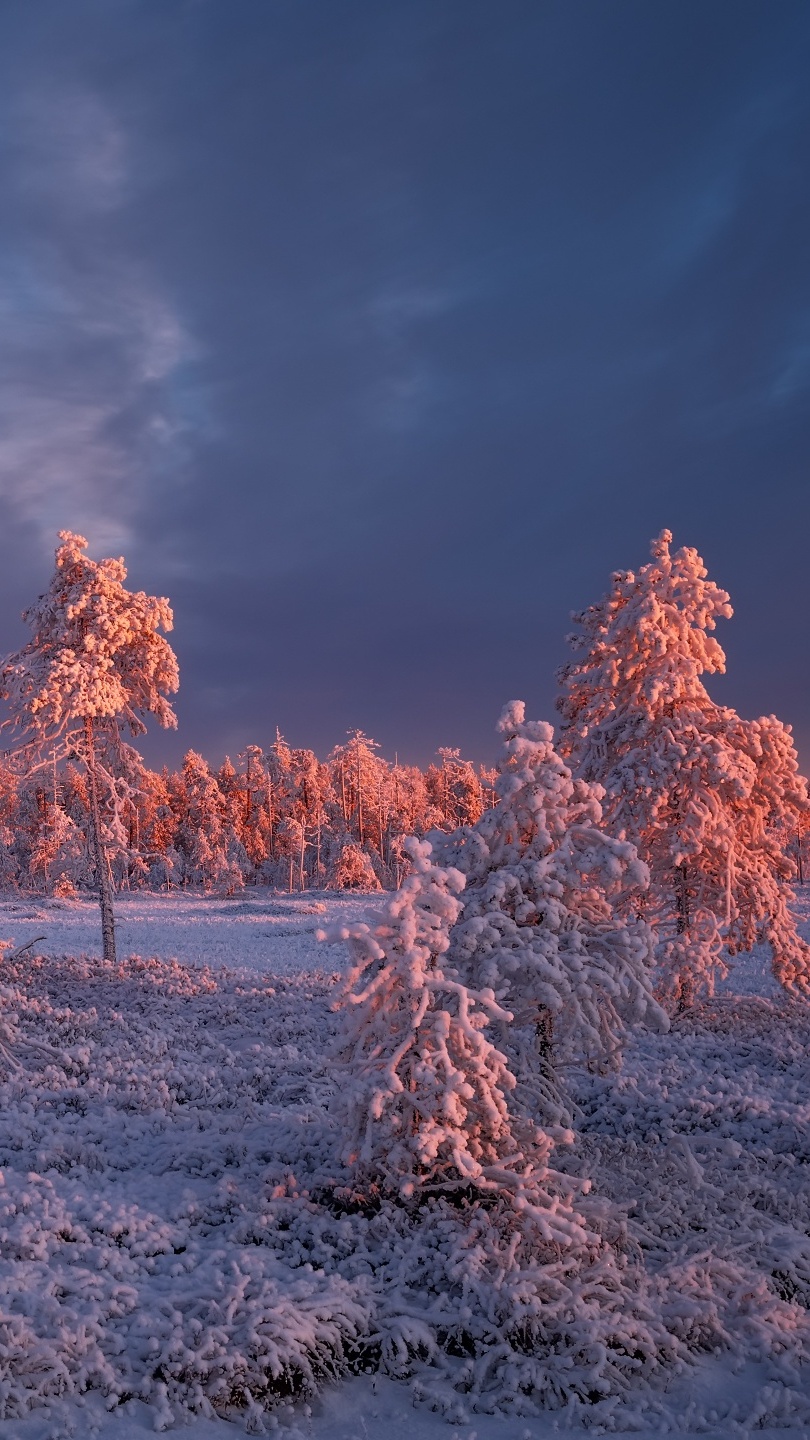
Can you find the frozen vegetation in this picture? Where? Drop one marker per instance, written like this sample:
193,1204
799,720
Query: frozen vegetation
170,1231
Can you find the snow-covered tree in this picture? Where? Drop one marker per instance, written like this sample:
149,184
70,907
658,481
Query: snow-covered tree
454,789
310,788
351,869
96,661
31,828
9,805
280,787
156,827
421,1092
698,790
409,811
52,849
544,922
358,776
231,789
124,801
210,850
256,828
295,788
298,783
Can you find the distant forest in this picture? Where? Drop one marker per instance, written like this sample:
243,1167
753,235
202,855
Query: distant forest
277,817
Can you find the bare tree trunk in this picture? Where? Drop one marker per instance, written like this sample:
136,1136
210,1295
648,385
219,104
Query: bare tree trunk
359,800
301,859
544,1030
97,844
686,989
799,856
682,898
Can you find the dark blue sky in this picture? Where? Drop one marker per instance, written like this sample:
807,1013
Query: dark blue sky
377,334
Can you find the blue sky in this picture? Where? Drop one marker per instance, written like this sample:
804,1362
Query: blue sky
377,334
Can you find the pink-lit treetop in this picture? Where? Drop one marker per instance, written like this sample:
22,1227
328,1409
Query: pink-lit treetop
700,792
647,643
96,650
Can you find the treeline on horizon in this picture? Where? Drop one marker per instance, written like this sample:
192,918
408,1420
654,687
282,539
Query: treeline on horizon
704,795
279,817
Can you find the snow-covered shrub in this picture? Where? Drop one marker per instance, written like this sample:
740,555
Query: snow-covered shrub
352,869
700,792
140,1069
512,1323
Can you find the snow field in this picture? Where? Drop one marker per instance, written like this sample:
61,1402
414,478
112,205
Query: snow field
258,930
166,1247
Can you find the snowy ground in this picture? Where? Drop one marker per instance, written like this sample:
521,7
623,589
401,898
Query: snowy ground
151,1119
261,931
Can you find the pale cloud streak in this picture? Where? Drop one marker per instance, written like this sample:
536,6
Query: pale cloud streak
409,387
92,347
73,151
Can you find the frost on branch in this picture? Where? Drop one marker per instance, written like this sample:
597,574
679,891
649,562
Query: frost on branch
702,793
539,922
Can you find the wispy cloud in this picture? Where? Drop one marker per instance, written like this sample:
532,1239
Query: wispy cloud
93,351
794,372
73,150
397,307
408,385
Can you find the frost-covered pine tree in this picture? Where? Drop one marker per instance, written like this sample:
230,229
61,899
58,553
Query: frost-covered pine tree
541,922
53,852
211,851
454,789
256,827
421,1092
358,777
700,792
96,663
511,921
